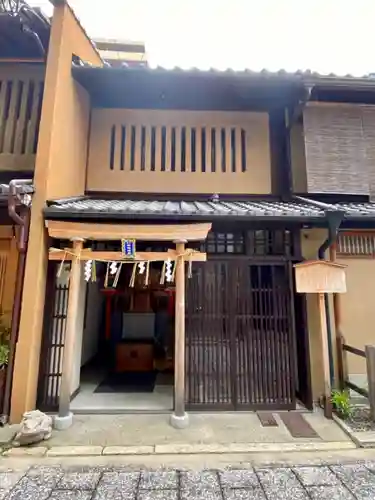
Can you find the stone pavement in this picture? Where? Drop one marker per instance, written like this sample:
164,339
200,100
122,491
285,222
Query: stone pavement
346,481
224,428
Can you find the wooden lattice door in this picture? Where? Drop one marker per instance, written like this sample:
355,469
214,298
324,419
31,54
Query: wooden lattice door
240,351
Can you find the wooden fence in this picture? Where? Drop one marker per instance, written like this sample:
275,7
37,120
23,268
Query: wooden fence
369,355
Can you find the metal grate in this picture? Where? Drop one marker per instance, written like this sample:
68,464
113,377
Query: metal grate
356,244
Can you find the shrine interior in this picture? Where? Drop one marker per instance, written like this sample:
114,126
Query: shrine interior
126,360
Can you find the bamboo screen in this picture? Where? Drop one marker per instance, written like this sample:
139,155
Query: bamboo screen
340,148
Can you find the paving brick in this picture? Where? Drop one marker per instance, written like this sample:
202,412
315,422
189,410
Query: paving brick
128,450
238,479
79,481
9,479
201,493
338,492
195,481
354,474
244,494
71,495
157,495
75,451
285,493
36,451
162,480
316,476
28,489
277,477
121,480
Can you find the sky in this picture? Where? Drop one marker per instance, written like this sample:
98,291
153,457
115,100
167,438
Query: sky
328,36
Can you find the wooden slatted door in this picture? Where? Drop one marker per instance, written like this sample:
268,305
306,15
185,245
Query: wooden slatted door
53,338
208,337
240,337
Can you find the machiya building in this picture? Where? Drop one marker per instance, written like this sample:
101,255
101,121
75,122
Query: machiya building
166,210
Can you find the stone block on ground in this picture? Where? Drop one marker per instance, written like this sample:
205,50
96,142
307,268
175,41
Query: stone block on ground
34,428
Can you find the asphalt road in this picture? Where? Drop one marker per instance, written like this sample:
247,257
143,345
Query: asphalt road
336,482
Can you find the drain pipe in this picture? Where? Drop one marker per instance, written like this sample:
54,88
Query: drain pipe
334,219
23,221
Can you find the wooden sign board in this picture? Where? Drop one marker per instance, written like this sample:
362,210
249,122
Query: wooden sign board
320,276
128,248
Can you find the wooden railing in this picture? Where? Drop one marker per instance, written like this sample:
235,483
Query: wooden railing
369,355
21,94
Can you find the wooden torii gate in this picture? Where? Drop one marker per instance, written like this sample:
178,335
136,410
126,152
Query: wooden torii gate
78,233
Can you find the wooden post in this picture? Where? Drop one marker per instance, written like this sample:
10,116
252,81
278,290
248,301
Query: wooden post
325,358
370,362
341,375
342,363
64,418
179,419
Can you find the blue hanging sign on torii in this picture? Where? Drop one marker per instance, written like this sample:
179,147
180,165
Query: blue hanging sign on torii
128,248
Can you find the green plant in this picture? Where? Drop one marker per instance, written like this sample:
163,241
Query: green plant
341,403
4,354
4,339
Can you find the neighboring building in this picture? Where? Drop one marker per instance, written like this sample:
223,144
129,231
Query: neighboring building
24,37
119,53
267,159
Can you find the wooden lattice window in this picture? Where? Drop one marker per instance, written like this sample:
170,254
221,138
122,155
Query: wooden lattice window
267,242
20,110
220,243
177,148
361,244
262,242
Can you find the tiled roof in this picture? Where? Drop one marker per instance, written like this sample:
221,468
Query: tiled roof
297,76
21,189
298,210
357,209
102,208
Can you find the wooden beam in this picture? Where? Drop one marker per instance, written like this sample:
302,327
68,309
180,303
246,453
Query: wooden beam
145,232
331,104
25,60
88,254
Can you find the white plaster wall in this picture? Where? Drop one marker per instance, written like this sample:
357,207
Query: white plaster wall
79,334
93,318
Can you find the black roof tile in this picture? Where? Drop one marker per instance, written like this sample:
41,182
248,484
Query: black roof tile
201,209
298,210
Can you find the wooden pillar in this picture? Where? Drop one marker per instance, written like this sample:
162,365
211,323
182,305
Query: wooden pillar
70,332
179,419
325,357
340,377
370,363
